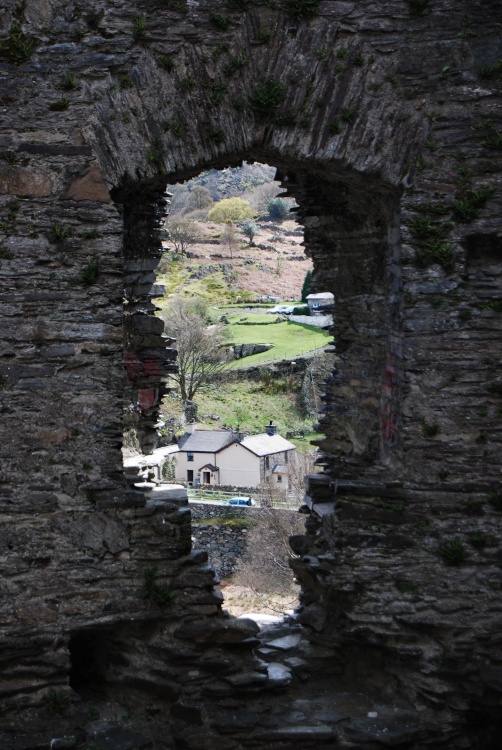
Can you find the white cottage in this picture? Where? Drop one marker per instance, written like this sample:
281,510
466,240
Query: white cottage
321,303
220,457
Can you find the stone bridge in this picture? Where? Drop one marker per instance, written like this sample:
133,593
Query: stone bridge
383,120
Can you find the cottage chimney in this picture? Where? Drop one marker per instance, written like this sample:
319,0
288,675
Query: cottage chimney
271,429
191,427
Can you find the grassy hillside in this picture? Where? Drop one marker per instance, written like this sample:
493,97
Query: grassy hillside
246,404
290,339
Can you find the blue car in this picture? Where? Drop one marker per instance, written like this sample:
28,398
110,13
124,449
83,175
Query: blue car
240,501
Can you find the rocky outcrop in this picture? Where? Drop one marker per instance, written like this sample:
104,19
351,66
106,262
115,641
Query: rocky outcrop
383,120
246,350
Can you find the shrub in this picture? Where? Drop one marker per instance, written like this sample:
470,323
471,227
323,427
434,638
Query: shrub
250,229
233,209
477,539
423,228
468,207
217,91
430,430
419,7
453,553
57,701
60,106
278,208
266,97
69,82
220,21
17,47
435,251
235,64
166,62
300,9
495,500
91,271
161,594
301,310
139,29
59,234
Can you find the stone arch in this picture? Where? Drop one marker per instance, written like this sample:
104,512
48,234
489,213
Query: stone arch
393,112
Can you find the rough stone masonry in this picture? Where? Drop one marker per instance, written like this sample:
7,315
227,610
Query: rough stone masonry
383,119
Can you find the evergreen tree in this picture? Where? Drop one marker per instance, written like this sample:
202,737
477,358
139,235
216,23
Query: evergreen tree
306,285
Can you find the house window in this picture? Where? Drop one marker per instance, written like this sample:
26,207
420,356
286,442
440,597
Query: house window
279,478
267,462
285,457
189,456
190,475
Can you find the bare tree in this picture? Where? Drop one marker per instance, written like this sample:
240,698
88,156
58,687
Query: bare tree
202,353
264,566
200,197
230,236
182,234
301,465
262,194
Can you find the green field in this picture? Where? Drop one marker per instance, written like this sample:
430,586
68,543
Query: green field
290,339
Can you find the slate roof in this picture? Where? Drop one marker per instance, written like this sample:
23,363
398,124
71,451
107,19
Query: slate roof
280,469
206,441
213,441
265,445
155,458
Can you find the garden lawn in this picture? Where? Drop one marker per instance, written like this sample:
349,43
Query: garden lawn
290,339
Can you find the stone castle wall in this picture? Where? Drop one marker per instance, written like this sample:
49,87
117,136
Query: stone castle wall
383,119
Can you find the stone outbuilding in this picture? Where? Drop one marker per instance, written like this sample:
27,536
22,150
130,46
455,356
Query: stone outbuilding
321,304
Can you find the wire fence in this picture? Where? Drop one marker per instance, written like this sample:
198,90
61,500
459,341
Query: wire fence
262,499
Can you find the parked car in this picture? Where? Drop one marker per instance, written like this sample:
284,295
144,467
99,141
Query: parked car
281,310
240,501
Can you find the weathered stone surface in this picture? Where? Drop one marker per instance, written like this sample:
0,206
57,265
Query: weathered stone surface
120,738
220,630
246,350
24,182
90,187
388,136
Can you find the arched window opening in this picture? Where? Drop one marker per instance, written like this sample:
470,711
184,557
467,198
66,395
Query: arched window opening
234,280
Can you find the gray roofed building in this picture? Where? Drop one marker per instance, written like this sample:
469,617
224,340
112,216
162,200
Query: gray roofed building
206,441
265,444
223,457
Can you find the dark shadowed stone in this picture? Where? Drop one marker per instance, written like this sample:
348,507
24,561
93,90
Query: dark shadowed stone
235,721
299,543
247,679
300,667
286,643
53,150
492,676
63,743
161,688
121,738
305,733
218,631
314,616
390,730
279,675
200,739
188,712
